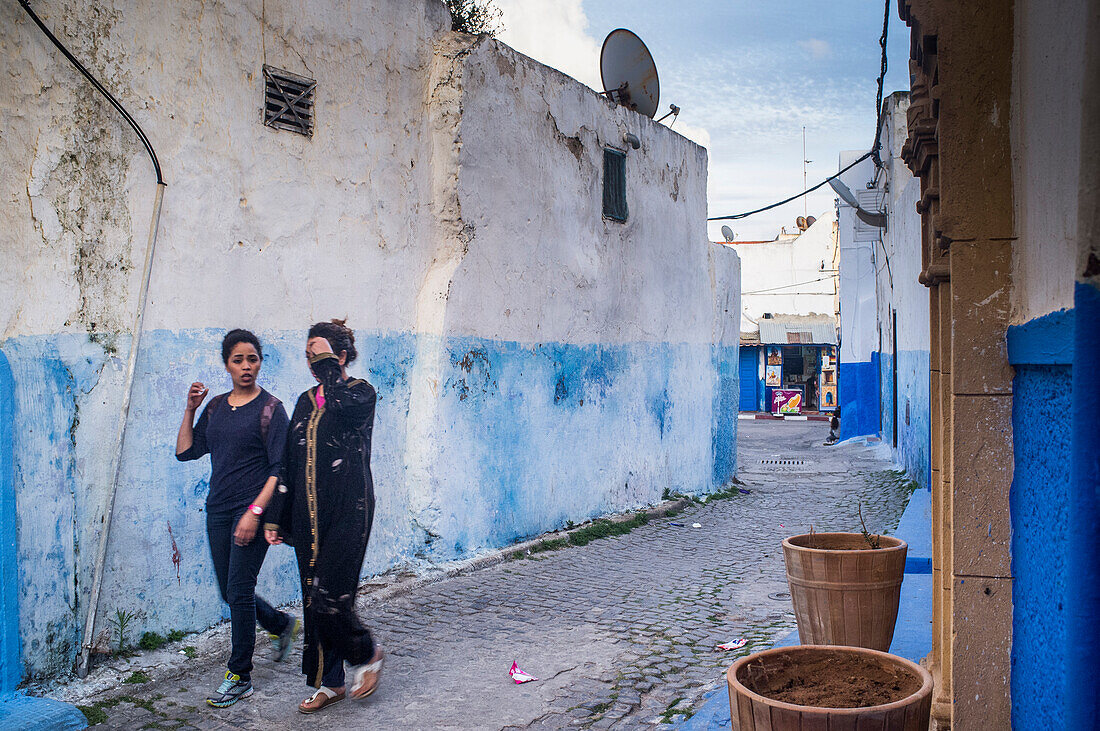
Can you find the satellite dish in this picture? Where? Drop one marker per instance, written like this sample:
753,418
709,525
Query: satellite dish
727,232
810,221
871,218
878,220
844,192
801,223
628,72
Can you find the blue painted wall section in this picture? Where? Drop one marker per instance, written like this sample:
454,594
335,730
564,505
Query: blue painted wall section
914,437
725,408
1042,409
859,397
16,710
10,665
1083,565
530,436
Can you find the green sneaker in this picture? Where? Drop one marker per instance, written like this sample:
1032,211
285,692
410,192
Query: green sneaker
285,642
230,691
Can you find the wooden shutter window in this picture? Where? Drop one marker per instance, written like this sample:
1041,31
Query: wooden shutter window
614,184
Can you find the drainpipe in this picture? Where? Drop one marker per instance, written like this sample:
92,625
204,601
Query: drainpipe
131,363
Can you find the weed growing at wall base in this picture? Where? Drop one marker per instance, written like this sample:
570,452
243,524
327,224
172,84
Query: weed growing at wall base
151,641
96,713
602,528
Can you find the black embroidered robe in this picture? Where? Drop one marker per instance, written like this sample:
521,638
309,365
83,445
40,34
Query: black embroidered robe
324,507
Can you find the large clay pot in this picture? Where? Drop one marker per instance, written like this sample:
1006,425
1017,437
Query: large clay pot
753,711
845,593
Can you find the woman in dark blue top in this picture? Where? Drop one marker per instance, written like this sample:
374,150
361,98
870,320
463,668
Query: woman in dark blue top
244,431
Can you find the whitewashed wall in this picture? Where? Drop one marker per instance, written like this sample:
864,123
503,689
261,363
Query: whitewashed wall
535,363
1048,78
791,276
879,278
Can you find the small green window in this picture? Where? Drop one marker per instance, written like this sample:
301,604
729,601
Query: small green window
614,184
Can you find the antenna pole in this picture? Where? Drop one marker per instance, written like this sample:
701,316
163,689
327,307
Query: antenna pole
805,205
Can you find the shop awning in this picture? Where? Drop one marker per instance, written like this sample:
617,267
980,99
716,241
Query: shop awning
798,330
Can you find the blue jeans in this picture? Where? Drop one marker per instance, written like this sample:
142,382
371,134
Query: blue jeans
237,568
333,676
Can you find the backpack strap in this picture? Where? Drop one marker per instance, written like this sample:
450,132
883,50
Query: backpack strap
268,411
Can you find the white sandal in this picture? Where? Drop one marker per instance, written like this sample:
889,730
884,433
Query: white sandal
330,697
360,678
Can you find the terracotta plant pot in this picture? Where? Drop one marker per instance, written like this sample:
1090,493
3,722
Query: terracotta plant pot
845,593
831,674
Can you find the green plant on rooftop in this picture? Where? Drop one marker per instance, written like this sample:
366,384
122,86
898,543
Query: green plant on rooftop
475,16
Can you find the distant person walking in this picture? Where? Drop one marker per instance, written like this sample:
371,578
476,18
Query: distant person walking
324,505
244,431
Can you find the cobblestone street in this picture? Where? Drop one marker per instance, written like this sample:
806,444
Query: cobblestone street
622,631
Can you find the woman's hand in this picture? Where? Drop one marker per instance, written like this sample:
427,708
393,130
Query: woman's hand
246,529
272,537
195,396
317,345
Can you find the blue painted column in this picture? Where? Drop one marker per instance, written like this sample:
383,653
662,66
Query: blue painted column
1083,565
1041,351
16,710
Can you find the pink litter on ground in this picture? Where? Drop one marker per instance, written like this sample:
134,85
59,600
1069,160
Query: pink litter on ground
733,645
519,676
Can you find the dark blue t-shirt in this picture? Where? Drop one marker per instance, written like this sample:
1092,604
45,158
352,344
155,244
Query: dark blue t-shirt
240,457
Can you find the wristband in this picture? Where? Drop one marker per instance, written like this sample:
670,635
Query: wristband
255,510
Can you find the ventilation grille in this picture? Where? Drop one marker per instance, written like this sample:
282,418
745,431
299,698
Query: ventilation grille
869,200
288,101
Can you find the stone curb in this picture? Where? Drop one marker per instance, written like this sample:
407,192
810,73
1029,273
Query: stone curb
499,555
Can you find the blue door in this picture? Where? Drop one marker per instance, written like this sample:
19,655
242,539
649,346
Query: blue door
750,381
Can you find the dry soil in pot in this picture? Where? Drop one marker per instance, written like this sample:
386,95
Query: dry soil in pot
829,681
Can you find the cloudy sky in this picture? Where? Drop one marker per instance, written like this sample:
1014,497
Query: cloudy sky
747,75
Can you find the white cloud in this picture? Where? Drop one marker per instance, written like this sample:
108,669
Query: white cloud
553,32
698,135
817,48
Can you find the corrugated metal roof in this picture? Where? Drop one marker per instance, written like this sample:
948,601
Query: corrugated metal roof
806,330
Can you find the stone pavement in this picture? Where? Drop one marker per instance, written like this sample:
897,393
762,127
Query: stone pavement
622,631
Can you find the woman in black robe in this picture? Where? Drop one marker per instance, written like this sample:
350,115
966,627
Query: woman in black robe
324,506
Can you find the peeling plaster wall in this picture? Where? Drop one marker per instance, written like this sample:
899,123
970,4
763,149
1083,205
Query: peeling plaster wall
566,335
535,364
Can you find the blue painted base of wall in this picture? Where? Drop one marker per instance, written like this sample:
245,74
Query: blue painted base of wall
1082,649
912,633
1041,408
23,713
914,439
477,443
11,668
858,384
1042,429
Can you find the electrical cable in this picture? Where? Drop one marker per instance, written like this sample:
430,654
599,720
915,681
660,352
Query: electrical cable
873,153
95,82
796,284
737,216
881,80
